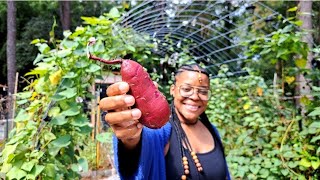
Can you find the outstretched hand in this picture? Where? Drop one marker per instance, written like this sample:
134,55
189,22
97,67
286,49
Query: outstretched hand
122,119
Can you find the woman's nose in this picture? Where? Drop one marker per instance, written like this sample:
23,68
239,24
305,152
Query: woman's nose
195,95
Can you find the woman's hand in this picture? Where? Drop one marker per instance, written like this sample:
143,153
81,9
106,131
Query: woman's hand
122,119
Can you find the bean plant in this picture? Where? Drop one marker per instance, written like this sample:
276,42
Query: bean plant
263,134
52,122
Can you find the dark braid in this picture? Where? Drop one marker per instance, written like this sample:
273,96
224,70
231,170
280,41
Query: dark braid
174,120
176,124
181,135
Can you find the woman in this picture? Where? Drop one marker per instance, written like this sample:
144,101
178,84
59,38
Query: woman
187,147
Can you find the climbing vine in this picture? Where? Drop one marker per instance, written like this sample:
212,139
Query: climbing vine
52,123
264,135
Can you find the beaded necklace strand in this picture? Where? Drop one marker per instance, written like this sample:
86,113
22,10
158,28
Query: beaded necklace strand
183,139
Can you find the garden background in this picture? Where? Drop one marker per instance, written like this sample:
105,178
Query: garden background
264,78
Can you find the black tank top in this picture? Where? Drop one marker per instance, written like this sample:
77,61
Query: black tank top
213,162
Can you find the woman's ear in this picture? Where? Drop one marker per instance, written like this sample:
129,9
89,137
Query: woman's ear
172,89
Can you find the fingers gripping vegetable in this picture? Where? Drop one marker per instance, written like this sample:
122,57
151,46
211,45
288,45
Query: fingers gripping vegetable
151,102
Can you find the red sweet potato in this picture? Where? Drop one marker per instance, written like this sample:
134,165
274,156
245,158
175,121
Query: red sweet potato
151,102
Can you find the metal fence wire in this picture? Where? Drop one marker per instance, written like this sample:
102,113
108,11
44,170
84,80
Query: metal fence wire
216,28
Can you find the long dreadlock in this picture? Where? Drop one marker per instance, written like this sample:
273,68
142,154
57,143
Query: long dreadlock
175,122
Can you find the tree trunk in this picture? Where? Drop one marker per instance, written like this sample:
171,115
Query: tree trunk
303,87
65,17
11,53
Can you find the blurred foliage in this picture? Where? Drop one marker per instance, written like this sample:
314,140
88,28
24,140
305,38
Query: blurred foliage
263,134
279,57
264,137
103,142
34,19
281,51
52,125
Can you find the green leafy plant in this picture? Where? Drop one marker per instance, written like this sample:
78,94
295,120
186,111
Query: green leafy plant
282,52
262,133
283,49
52,126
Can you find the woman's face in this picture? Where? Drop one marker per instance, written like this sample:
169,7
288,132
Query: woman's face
189,108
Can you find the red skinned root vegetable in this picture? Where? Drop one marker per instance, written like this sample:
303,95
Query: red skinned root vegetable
151,102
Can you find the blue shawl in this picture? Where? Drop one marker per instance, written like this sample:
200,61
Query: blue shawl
152,158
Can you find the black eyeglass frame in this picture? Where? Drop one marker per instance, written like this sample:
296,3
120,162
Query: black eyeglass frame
193,89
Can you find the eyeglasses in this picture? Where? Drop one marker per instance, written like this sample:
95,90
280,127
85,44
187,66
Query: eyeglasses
187,91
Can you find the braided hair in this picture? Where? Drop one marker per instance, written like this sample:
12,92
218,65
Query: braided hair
190,67
176,124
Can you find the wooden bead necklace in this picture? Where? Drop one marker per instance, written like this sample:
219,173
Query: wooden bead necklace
183,140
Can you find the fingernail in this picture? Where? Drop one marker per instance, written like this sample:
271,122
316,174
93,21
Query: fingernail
135,113
139,125
129,100
122,87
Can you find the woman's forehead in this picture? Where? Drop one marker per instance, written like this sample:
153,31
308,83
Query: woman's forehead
192,77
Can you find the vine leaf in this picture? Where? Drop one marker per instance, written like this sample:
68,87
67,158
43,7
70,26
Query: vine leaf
62,141
16,173
315,125
93,68
22,116
50,170
36,170
54,111
48,136
24,95
114,13
315,164
82,165
68,93
43,48
305,163
70,75
74,110
8,150
59,120
59,143
27,166
58,97
63,53
131,48
315,112
80,121
314,139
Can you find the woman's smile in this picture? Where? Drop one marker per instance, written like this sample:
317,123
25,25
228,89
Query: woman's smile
191,107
